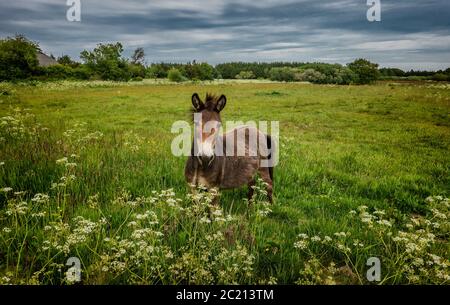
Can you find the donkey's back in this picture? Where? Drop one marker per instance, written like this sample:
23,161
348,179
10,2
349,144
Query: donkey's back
238,155
244,149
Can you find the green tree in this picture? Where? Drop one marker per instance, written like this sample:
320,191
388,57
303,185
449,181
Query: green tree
389,72
106,61
67,61
138,56
366,71
196,71
18,58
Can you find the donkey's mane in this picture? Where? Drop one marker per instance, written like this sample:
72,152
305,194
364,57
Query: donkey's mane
212,98
211,101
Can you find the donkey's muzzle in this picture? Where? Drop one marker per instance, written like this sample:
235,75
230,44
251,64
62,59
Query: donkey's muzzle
206,161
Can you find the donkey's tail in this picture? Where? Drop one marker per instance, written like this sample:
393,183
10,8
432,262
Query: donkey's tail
270,148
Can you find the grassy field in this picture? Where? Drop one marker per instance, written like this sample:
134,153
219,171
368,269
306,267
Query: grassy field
86,171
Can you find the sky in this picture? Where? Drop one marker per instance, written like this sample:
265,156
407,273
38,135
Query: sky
410,35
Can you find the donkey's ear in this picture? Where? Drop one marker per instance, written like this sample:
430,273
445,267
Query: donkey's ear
221,102
197,102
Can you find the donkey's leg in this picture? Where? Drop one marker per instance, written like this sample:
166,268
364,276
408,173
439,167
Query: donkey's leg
215,196
251,190
215,200
266,177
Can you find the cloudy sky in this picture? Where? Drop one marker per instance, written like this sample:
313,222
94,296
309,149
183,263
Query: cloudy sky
411,34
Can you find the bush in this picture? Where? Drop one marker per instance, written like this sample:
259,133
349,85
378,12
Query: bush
389,72
329,74
344,76
55,72
440,77
245,75
136,70
314,73
81,72
18,59
261,70
365,71
285,74
175,75
311,75
157,71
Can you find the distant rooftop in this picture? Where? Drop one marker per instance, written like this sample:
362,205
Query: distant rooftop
44,60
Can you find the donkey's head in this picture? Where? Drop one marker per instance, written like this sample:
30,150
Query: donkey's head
207,124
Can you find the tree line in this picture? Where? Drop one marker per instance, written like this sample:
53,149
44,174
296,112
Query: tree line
18,61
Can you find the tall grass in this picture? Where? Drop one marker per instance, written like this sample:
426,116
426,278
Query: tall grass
86,171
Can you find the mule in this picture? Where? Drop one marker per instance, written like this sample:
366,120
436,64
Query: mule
229,160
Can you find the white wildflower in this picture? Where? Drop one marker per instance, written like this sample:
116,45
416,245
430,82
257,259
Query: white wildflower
205,220
62,161
316,238
301,244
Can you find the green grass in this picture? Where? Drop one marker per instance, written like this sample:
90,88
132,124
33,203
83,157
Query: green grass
384,146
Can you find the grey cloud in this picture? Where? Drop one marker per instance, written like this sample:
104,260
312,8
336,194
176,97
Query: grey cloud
410,35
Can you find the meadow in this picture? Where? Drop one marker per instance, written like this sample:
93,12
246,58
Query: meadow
86,171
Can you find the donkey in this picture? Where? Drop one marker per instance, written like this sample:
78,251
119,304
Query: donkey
228,160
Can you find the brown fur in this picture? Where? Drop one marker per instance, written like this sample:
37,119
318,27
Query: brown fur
227,172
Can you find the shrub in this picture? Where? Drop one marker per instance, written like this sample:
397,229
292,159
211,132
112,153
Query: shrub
344,76
81,72
175,75
311,75
329,74
440,77
56,72
285,74
156,71
389,72
136,70
245,75
259,69
365,71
